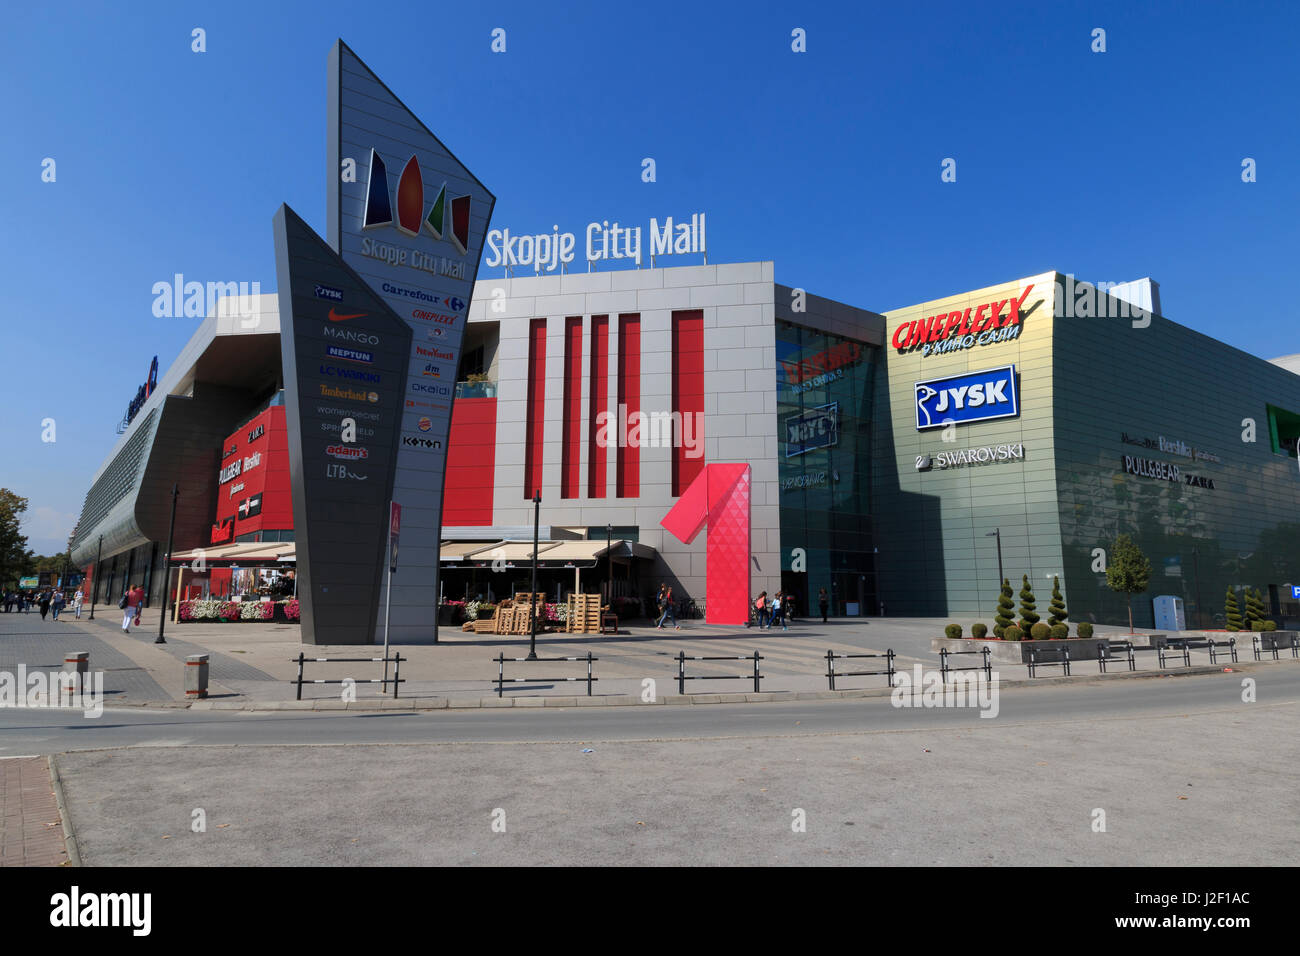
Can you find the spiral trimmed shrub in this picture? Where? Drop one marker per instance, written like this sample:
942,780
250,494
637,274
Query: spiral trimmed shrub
1060,632
978,630
1084,629
1013,633
953,631
1041,631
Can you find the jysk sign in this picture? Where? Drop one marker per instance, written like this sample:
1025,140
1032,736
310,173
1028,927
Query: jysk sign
970,397
815,428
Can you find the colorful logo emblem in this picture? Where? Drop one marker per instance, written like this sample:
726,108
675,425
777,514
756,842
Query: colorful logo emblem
424,424
448,218
335,317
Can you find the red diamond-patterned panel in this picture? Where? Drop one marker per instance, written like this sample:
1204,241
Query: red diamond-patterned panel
720,496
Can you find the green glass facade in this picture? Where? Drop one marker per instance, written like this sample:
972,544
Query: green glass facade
825,386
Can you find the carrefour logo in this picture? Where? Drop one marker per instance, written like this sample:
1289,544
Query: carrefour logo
972,397
448,217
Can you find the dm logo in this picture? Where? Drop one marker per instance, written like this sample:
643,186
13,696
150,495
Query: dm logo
449,218
971,397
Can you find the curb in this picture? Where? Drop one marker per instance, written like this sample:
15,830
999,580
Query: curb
632,700
69,838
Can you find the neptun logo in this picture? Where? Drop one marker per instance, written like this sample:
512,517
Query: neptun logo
448,217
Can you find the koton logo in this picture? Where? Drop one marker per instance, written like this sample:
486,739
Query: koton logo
433,353
348,452
972,397
985,326
412,441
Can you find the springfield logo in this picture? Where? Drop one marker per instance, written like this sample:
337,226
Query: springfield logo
448,218
962,399
350,355
75,908
349,452
355,395
934,334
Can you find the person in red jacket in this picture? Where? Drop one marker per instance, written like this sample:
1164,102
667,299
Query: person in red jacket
134,602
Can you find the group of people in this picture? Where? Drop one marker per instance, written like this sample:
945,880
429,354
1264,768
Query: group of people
46,600
778,608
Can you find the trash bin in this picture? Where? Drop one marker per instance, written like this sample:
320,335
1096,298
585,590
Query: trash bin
196,677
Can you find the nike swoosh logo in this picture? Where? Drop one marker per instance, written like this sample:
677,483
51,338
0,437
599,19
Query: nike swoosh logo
335,317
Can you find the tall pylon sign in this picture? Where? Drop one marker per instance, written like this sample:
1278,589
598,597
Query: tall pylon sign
408,220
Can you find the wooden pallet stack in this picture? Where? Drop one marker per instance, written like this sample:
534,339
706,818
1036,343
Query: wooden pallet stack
584,614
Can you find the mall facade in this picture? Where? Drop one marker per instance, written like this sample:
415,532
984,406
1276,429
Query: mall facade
886,456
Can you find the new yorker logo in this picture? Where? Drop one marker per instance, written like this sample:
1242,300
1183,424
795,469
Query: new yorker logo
433,353
74,908
986,326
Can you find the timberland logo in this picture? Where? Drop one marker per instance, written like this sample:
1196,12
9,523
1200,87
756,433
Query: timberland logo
74,909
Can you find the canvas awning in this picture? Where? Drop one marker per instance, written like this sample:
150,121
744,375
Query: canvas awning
248,552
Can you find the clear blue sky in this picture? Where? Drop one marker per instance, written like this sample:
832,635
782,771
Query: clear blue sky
1111,166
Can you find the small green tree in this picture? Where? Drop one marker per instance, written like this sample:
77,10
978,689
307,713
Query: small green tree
1254,608
1006,613
1128,571
1028,614
1056,613
1231,611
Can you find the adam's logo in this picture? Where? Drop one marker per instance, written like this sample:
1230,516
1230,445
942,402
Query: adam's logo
410,205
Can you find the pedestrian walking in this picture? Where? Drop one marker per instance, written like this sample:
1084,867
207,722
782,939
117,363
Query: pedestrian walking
58,602
130,604
778,610
665,599
822,603
8,601
43,602
77,600
760,606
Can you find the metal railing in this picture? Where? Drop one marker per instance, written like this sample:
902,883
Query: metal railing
395,660
1259,649
1063,662
502,679
1104,657
832,673
986,664
683,677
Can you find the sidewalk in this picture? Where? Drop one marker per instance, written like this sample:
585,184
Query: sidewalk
31,829
253,666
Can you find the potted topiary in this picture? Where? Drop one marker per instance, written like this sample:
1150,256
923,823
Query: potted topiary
1006,612
1060,632
952,631
1041,631
1012,633
1028,614
978,630
1084,629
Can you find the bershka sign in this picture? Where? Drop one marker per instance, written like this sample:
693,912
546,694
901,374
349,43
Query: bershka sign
981,325
545,253
971,397
1170,446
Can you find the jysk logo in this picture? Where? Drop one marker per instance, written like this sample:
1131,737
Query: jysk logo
448,218
325,292
972,397
349,355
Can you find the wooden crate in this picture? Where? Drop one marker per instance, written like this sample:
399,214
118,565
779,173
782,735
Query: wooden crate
584,614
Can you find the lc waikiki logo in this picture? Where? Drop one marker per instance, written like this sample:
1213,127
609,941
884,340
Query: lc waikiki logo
445,212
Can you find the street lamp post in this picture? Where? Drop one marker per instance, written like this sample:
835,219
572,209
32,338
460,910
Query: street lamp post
167,571
997,533
609,564
94,582
1196,587
532,604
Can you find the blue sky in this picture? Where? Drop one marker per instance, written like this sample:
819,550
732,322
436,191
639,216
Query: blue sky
1109,165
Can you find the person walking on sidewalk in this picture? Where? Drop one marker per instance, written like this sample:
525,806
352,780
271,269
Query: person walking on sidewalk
666,608
58,602
822,603
131,610
76,602
44,604
761,609
778,610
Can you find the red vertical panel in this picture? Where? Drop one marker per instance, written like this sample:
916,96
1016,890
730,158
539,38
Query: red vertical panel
571,441
534,436
629,403
598,404
688,397
471,463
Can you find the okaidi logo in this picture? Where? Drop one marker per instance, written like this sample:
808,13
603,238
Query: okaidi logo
980,325
448,217
433,353
347,452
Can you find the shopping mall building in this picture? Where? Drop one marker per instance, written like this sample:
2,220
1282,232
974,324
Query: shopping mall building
889,455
